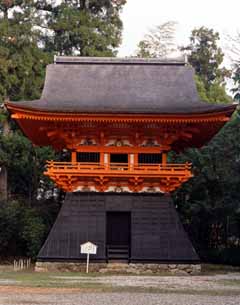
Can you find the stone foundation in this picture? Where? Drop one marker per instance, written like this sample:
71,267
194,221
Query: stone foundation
120,268
67,267
173,269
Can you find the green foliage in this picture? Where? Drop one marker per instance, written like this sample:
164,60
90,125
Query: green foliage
159,42
210,202
10,215
206,56
85,28
25,164
23,229
143,50
32,232
32,31
227,256
2,117
236,79
22,62
216,93
202,92
5,83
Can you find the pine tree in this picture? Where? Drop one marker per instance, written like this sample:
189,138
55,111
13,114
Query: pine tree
84,28
206,56
236,79
22,61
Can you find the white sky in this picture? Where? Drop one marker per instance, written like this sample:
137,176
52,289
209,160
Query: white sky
140,15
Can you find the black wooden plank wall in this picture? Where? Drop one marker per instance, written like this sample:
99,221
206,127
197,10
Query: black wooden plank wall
156,232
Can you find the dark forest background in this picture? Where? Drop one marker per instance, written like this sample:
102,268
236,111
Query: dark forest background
31,33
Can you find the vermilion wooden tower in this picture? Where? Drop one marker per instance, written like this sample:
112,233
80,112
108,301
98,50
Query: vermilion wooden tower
119,119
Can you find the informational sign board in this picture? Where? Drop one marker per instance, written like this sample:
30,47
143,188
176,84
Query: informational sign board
88,248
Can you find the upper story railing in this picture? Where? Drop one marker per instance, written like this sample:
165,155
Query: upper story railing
117,168
72,176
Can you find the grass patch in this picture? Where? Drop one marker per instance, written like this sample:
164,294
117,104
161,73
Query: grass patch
214,269
35,279
233,282
68,280
213,293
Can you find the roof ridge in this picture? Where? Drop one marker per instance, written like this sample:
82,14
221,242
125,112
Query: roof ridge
119,61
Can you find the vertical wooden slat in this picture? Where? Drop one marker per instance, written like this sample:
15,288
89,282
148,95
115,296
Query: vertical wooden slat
156,231
164,158
74,156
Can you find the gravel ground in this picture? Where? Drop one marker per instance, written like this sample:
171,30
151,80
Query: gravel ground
166,290
115,299
208,283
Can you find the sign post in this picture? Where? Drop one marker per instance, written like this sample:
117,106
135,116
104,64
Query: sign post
88,248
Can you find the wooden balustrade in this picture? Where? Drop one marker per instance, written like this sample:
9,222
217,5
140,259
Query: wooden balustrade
72,175
66,167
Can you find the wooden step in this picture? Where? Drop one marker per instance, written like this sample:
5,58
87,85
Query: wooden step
118,253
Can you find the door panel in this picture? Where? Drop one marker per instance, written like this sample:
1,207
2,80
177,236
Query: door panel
118,228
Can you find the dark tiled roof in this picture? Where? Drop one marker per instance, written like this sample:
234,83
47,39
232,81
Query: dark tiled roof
109,85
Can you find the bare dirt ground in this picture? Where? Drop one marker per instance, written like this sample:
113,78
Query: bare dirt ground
125,298
74,289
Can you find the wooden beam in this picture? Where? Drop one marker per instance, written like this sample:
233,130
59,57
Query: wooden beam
121,149
164,158
74,156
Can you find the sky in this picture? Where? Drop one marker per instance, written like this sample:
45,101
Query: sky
139,16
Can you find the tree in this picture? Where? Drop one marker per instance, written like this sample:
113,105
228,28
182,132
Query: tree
31,32
159,42
236,79
23,229
85,28
209,202
5,77
32,232
22,61
206,56
22,74
234,52
216,93
25,165
10,215
206,200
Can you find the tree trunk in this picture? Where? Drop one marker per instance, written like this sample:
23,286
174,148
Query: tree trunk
6,128
3,183
5,14
82,4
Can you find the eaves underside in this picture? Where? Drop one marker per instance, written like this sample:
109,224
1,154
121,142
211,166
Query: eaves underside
29,114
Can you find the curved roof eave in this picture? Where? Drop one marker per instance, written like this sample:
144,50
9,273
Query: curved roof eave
201,109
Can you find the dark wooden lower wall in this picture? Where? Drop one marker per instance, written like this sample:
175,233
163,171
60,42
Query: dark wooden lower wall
156,232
